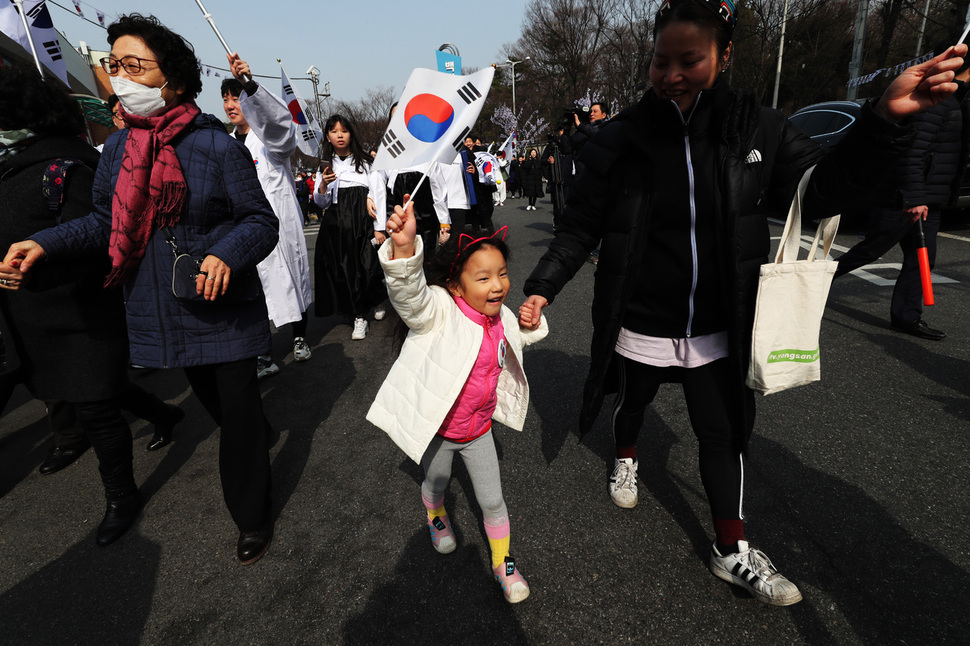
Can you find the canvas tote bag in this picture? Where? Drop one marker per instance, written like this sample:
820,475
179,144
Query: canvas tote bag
791,300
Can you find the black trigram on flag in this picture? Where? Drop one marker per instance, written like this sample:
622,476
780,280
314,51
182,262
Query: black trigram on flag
393,144
287,90
469,93
53,49
308,135
459,143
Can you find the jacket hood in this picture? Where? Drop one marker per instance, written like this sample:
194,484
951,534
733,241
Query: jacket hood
52,147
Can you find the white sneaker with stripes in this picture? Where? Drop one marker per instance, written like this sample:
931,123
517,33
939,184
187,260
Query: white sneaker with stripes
753,571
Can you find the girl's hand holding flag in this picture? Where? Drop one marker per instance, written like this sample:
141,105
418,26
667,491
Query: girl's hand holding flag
402,229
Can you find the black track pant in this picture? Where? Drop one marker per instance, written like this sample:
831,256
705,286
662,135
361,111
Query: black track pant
712,412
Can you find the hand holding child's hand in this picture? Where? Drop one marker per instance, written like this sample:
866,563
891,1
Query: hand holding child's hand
530,312
402,229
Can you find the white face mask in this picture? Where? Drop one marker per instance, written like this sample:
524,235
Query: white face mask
137,99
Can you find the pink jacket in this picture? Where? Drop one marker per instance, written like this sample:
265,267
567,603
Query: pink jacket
471,414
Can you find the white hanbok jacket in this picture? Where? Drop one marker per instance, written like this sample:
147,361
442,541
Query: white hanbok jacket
437,357
285,272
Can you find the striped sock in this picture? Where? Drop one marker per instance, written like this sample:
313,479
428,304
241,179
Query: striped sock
498,531
436,507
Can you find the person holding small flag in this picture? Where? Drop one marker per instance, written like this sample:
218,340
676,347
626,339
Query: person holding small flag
460,366
264,124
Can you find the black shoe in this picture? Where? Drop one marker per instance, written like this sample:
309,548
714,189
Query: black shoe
918,328
118,517
252,545
165,430
62,456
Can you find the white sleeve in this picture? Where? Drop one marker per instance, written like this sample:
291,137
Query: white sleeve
439,192
377,186
271,121
323,200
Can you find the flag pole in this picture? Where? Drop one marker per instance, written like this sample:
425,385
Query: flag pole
246,79
965,32
414,191
30,38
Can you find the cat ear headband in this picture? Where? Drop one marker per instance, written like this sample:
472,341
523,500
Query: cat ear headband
465,240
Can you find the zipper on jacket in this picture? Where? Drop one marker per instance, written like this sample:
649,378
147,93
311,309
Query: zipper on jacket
492,360
693,211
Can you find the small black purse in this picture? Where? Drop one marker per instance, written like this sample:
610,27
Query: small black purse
243,287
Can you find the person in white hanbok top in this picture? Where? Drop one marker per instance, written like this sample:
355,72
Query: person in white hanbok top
264,124
347,274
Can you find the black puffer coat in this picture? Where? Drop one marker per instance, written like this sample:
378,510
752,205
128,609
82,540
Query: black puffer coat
68,330
531,173
930,171
758,160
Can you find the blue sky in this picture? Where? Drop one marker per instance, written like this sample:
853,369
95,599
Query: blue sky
356,45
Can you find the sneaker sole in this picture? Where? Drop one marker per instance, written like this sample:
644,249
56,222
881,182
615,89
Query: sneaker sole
724,575
623,505
518,593
445,545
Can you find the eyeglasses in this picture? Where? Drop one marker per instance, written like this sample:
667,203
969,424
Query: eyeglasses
132,64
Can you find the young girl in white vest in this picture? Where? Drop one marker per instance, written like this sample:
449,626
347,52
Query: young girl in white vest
459,367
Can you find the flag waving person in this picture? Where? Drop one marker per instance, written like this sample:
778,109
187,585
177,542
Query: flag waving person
266,126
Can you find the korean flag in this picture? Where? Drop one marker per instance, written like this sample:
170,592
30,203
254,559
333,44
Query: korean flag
435,113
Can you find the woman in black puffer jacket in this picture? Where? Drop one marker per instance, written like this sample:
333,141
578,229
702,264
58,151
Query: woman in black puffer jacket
530,173
677,189
68,331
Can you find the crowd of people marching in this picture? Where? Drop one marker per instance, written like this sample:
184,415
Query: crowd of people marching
173,249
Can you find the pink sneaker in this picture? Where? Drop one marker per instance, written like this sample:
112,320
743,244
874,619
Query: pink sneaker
514,586
442,537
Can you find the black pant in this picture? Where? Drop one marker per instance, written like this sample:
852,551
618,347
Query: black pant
136,400
111,438
888,227
230,394
458,219
713,413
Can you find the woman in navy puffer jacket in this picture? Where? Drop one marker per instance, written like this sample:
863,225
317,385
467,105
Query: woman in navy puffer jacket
176,169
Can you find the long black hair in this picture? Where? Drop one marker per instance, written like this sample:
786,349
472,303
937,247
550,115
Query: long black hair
361,159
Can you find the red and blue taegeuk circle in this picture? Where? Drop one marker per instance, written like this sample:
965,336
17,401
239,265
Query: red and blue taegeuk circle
297,112
427,117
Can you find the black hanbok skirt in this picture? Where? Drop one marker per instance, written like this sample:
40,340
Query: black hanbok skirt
347,274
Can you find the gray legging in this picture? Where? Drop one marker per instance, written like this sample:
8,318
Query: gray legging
481,461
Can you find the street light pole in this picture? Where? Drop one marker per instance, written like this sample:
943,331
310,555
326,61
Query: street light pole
511,64
781,51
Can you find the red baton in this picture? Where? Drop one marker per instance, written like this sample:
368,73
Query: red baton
924,265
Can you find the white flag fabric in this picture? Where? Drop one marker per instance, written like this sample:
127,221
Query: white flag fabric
509,147
488,169
42,31
308,127
435,114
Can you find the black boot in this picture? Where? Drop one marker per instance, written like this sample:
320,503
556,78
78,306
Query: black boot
119,515
165,429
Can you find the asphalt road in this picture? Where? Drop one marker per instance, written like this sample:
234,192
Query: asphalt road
857,489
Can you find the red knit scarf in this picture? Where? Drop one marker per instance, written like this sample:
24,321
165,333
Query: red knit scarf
150,191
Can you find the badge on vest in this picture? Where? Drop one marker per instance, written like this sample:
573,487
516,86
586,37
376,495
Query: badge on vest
501,353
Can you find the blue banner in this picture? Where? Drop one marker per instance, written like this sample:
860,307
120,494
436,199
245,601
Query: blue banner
448,63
